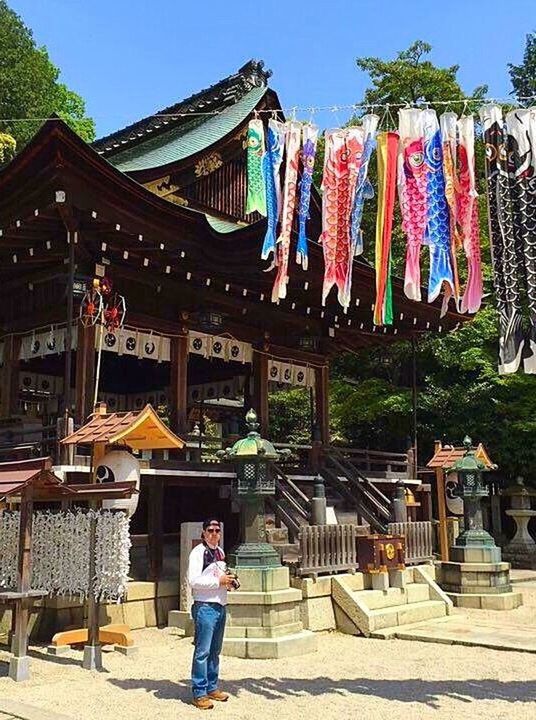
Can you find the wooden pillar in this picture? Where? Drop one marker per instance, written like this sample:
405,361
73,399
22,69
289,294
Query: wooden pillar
9,374
85,373
260,391
322,402
155,527
441,508
179,384
19,663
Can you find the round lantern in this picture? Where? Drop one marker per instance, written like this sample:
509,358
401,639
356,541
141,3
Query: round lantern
119,465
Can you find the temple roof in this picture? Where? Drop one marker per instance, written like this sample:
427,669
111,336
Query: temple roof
172,134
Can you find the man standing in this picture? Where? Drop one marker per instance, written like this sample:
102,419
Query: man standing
209,582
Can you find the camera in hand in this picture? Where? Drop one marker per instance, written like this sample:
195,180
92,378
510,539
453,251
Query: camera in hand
235,582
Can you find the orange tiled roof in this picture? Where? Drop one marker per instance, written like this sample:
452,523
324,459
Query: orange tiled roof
142,430
447,456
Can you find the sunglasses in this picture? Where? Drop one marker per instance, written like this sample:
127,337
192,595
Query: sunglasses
213,530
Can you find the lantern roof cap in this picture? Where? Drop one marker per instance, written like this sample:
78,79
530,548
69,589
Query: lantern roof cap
253,445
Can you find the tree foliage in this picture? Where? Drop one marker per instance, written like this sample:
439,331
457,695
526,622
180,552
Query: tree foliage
30,86
523,76
459,389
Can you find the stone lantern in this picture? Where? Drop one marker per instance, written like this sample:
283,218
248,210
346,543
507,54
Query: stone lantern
473,488
252,457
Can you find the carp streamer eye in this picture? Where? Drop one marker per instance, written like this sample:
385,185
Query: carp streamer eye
491,152
105,474
417,159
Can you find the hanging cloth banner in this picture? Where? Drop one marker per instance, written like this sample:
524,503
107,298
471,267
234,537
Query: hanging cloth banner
387,149
256,194
310,137
145,346
467,215
292,148
448,126
48,342
271,163
290,374
412,195
364,190
214,346
503,255
521,128
437,234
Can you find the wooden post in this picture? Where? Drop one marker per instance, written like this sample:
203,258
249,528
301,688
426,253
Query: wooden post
179,384
155,529
260,391
85,373
441,508
9,374
322,402
19,663
92,659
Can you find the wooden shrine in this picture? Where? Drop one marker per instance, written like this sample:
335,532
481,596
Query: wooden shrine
157,208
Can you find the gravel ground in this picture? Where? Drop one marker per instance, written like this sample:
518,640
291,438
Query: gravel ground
348,677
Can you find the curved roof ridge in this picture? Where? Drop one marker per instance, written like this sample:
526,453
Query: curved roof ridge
225,92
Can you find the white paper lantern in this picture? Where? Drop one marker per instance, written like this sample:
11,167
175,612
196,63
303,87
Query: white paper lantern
120,466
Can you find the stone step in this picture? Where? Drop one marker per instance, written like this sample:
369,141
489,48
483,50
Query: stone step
406,614
403,631
299,643
392,597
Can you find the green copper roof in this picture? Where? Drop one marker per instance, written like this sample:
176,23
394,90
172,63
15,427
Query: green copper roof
183,141
223,226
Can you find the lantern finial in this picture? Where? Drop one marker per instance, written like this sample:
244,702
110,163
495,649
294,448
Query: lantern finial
467,442
251,420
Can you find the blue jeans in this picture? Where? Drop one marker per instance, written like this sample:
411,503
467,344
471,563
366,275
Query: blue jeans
209,619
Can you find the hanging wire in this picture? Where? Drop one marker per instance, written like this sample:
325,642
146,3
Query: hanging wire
294,110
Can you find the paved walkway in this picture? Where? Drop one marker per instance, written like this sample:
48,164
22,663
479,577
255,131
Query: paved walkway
14,710
465,631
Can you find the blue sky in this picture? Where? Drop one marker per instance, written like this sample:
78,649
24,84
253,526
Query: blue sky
129,58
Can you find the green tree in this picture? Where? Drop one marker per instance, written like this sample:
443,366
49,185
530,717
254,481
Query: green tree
523,76
30,86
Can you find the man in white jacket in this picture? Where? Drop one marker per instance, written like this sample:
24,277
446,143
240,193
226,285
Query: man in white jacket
208,578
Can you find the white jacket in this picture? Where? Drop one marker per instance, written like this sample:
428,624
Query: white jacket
205,584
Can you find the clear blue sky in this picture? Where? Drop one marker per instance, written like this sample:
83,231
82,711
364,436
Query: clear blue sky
129,58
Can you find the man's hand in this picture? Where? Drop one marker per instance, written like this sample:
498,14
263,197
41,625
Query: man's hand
226,581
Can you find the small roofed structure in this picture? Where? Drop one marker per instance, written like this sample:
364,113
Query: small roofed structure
142,430
443,459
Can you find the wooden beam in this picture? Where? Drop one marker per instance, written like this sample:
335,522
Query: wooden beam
260,391
9,377
441,508
179,384
85,373
322,402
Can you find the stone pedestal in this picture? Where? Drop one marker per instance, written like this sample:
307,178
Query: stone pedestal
521,550
476,577
263,617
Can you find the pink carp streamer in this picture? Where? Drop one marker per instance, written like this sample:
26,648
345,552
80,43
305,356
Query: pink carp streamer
343,154
412,194
467,212
292,148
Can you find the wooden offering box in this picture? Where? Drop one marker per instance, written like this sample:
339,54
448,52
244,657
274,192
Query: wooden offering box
379,553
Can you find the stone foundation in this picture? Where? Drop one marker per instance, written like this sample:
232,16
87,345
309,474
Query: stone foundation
147,605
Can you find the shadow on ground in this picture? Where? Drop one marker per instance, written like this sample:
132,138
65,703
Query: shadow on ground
426,692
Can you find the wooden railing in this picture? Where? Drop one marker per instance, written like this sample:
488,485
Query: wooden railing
420,539
327,549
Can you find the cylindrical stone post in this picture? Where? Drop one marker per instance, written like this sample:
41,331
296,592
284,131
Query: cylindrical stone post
318,502
399,504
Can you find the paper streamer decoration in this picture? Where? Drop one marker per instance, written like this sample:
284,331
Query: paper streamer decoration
256,193
292,148
310,137
387,150
271,163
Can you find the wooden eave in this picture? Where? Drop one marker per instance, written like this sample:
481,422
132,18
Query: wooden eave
447,455
142,430
107,206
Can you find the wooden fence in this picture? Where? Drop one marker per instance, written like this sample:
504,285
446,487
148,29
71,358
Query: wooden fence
327,548
419,540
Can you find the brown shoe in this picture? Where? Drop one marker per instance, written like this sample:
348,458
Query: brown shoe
218,695
203,703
